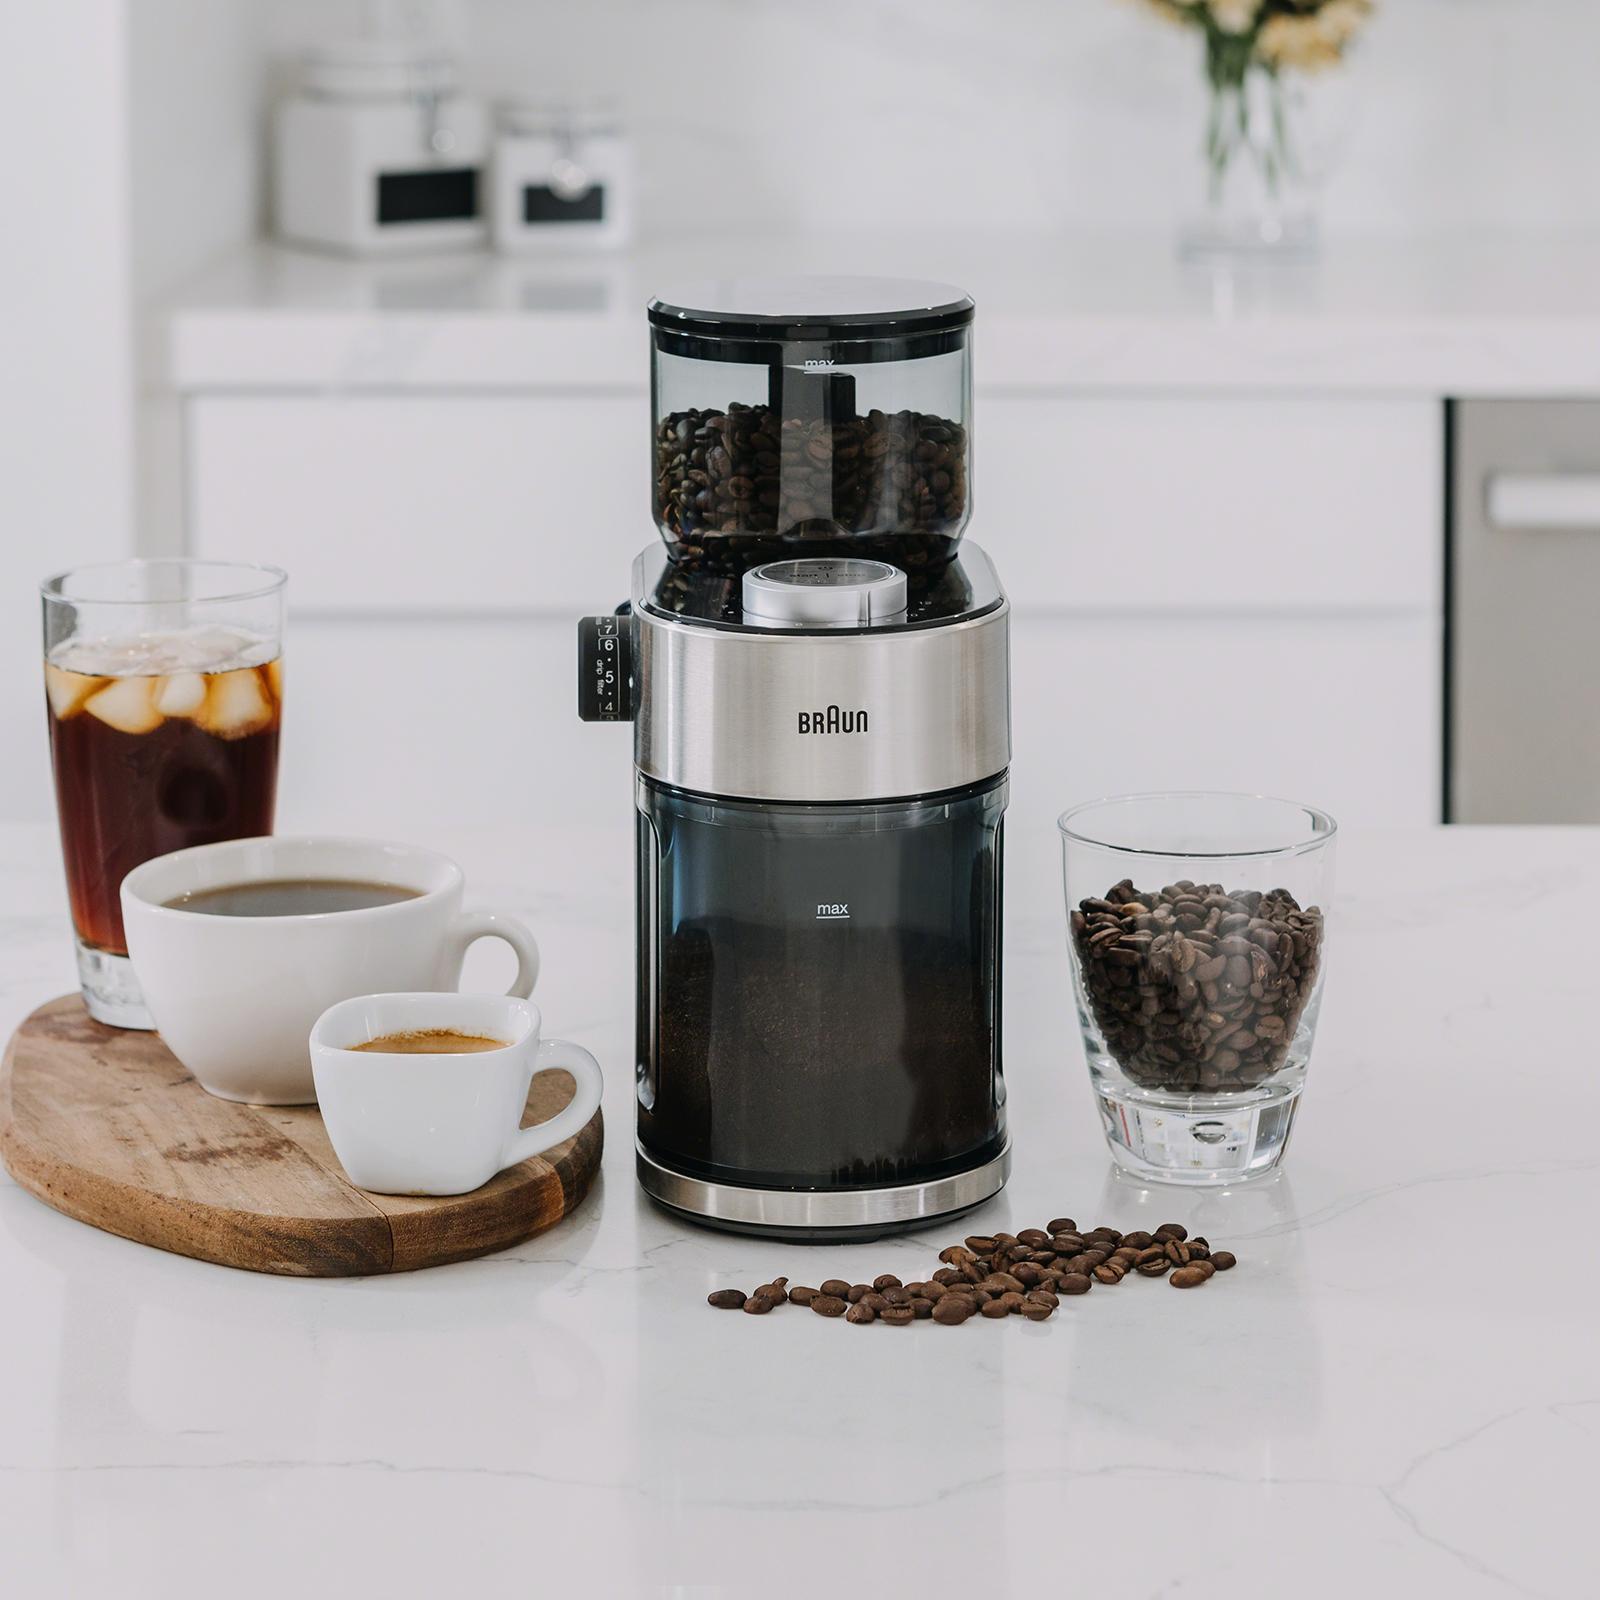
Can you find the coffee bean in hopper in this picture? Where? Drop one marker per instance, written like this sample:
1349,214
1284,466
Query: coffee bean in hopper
731,483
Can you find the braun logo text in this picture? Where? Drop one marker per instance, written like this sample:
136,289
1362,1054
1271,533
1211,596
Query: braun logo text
833,720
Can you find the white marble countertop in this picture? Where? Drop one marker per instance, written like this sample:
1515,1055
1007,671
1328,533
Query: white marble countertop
1394,1393
1459,315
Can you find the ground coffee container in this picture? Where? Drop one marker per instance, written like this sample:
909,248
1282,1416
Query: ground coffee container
819,690
378,152
563,179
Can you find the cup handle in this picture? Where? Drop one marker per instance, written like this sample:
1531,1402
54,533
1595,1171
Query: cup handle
470,926
535,1141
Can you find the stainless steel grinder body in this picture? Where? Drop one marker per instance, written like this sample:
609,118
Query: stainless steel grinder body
820,809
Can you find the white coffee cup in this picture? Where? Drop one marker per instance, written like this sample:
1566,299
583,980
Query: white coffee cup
234,997
411,1123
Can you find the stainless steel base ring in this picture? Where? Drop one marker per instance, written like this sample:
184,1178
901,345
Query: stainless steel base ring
822,1211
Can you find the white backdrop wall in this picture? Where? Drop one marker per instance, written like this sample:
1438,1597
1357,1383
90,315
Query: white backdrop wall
1028,113
66,457
195,77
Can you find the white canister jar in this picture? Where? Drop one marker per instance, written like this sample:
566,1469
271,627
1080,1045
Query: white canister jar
563,179
377,152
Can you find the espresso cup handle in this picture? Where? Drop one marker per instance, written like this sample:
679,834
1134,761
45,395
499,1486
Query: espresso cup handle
470,926
575,1115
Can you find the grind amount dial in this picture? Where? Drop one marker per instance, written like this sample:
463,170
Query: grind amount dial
605,667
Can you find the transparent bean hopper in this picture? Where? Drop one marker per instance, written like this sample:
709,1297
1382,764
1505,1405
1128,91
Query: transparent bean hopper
811,416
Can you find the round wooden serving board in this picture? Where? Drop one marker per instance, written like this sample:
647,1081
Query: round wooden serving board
106,1126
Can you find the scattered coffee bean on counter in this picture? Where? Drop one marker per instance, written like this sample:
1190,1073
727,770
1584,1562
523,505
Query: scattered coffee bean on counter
1001,1275
1197,989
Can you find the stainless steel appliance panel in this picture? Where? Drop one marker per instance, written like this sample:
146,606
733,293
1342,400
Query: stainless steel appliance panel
1524,652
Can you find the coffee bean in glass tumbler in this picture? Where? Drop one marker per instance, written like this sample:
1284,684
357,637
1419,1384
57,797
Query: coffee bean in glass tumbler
1197,932
164,692
1195,989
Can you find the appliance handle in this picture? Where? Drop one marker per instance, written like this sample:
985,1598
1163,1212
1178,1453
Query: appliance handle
1539,502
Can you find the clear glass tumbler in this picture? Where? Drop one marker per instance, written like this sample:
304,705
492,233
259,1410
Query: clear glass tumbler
1196,926
164,686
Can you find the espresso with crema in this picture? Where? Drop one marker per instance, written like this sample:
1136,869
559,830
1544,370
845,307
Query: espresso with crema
432,1042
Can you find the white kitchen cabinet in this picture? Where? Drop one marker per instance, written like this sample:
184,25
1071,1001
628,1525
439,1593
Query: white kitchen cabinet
471,504
1260,504
405,726
431,504
1340,712
1237,592
402,727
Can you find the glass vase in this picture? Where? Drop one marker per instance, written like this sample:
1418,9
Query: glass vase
1260,190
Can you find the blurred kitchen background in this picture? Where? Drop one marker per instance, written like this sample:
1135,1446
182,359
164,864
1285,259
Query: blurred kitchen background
1320,521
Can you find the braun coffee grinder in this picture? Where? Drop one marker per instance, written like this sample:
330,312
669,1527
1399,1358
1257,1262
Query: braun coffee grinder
819,689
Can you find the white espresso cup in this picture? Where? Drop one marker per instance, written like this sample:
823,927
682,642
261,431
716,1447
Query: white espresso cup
404,1122
234,997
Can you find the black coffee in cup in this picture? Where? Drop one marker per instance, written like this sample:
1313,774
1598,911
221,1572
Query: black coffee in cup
291,897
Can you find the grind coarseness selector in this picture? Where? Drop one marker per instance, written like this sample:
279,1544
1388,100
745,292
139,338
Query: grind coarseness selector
605,667
824,592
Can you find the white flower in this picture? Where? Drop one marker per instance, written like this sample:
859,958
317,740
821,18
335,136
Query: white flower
1234,16
1340,20
1295,42
1314,40
1176,11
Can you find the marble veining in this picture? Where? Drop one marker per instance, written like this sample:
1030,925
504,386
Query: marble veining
1394,1393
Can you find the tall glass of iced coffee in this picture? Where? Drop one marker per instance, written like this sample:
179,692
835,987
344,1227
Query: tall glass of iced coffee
164,682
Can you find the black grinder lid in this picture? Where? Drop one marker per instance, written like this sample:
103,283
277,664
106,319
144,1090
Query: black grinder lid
883,319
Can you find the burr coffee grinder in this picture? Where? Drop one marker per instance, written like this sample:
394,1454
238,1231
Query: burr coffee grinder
818,683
